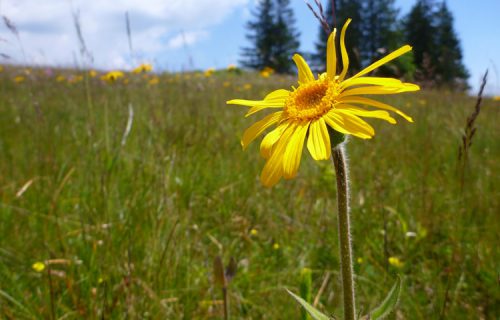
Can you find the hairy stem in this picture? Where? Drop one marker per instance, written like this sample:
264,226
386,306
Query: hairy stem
344,232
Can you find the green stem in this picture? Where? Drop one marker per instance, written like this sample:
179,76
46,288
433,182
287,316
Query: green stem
344,231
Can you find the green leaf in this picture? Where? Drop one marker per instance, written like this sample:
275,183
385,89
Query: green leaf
389,303
315,314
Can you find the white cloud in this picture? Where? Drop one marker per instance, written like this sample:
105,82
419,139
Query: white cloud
48,34
186,39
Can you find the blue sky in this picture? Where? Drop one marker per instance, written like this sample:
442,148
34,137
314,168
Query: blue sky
180,34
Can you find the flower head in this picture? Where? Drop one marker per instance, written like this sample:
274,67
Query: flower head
395,262
209,72
112,76
38,266
19,79
143,68
308,111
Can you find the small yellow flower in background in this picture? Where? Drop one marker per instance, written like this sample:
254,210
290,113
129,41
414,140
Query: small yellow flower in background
154,81
112,76
92,73
231,67
19,79
60,78
38,266
360,260
254,232
276,246
100,280
126,81
496,98
422,102
395,262
265,74
1,68
143,68
247,86
226,84
209,72
305,112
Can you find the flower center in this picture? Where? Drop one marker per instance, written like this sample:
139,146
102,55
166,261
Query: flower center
310,101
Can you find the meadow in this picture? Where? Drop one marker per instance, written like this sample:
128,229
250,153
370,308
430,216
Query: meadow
125,193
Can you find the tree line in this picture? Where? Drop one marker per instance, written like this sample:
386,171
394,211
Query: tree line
377,29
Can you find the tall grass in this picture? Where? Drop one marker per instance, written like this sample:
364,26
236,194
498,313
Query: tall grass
142,221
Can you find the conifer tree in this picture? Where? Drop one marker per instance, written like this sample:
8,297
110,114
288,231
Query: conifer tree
260,35
380,34
420,33
449,67
286,37
273,36
343,9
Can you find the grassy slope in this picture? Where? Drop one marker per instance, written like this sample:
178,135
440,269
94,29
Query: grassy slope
142,222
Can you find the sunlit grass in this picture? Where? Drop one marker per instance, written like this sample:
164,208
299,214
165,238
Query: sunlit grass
142,221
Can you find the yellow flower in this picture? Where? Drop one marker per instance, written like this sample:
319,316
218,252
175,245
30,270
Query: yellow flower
254,232
60,78
112,76
276,246
231,67
395,262
308,110
1,68
209,72
360,260
19,79
143,68
496,98
268,70
226,84
247,86
92,73
38,266
265,74
154,81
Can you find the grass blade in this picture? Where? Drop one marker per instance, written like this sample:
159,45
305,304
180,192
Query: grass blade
315,314
389,303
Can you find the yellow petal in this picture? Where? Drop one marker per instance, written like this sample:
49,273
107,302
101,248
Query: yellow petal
318,142
273,169
270,140
379,114
391,82
279,94
352,124
377,104
331,56
384,60
343,50
260,103
378,90
259,127
305,74
293,152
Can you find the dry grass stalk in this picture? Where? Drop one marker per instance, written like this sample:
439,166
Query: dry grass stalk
469,131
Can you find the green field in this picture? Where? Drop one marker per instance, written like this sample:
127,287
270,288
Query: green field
138,216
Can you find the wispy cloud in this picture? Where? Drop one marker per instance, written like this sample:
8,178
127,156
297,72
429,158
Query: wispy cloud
48,34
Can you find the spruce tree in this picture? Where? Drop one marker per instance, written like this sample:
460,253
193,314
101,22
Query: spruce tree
343,10
273,36
380,34
449,67
261,37
286,37
421,34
